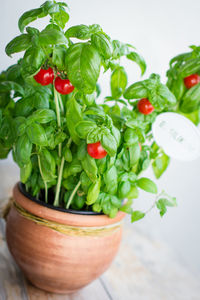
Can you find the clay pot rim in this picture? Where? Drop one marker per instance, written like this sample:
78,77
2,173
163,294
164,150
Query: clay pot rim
63,217
21,187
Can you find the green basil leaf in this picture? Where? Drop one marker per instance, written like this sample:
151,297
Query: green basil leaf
85,182
96,207
134,193
124,189
194,116
29,17
109,143
93,192
48,165
81,32
79,202
89,99
61,18
58,57
107,206
84,127
4,151
42,116
23,150
33,59
118,82
23,107
82,150
119,49
137,215
191,99
41,99
132,177
116,133
73,117
127,207
130,137
20,125
18,44
147,185
94,28
73,168
162,95
116,201
134,152
83,66
7,131
190,67
102,43
36,134
90,167
67,154
136,91
110,179
178,88
138,59
94,135
25,172
113,212
160,164
52,36
102,165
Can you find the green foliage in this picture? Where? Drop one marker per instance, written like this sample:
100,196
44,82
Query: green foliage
48,132
181,66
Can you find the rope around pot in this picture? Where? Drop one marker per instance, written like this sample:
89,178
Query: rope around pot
62,228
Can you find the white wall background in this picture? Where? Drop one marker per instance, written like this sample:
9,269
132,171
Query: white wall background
159,30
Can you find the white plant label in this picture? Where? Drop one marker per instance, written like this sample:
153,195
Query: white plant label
177,136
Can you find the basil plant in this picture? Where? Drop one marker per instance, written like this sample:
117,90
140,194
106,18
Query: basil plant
73,152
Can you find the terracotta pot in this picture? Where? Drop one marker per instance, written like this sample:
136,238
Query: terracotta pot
61,262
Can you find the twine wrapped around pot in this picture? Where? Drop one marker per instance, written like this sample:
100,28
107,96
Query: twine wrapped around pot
65,229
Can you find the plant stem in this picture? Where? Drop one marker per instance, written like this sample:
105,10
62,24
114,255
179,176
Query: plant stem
56,201
73,194
58,119
45,184
57,108
61,103
154,203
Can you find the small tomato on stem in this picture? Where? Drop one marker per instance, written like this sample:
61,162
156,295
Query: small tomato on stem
63,86
191,80
96,151
44,77
145,107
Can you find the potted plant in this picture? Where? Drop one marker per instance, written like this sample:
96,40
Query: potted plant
79,160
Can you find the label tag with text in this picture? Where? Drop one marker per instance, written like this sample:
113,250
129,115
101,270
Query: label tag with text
177,136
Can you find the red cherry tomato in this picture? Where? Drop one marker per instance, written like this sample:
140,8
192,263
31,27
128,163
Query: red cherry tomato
63,86
45,77
140,147
95,150
145,107
191,80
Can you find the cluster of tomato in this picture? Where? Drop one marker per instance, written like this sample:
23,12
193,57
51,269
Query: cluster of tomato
144,105
46,77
